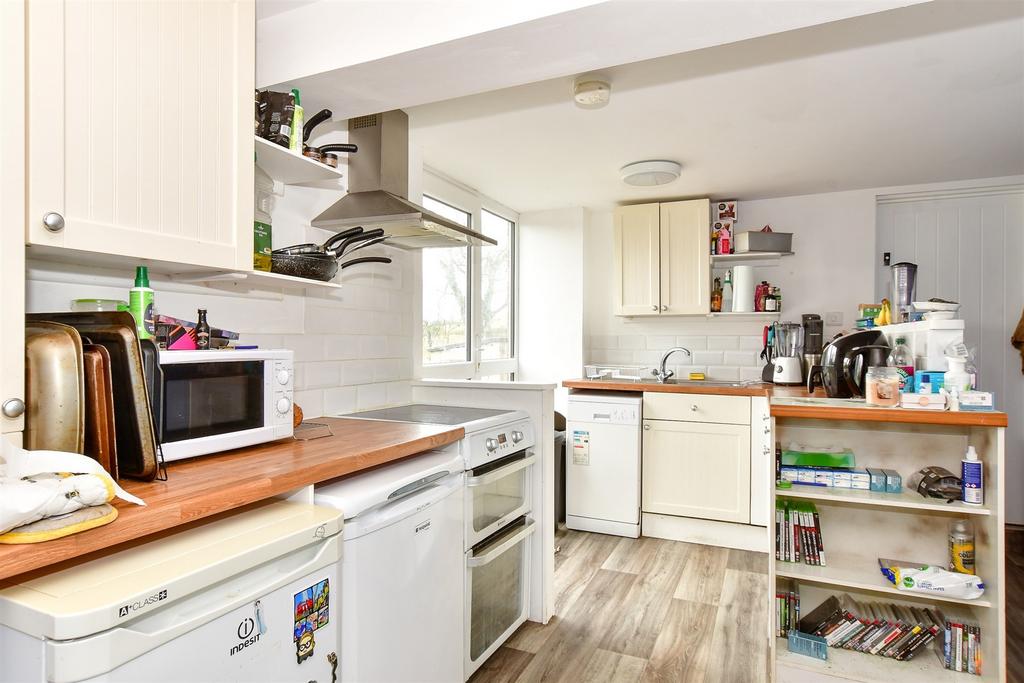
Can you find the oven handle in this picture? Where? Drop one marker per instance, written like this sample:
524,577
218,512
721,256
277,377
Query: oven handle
491,555
501,472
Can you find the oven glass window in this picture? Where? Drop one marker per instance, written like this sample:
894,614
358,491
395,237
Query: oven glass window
206,399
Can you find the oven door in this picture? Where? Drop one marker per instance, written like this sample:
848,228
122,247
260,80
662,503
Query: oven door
497,591
212,406
496,494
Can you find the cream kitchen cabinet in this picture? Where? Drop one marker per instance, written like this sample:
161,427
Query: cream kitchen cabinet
693,467
662,263
12,198
141,143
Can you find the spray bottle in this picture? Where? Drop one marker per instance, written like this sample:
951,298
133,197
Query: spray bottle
140,304
972,478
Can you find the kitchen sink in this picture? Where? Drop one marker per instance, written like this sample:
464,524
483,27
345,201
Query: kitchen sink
703,382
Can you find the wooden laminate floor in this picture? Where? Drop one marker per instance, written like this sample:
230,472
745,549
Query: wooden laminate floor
1015,605
644,610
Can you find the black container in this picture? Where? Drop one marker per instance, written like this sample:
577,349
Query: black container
844,362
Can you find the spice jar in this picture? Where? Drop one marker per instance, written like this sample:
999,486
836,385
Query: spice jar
331,159
883,387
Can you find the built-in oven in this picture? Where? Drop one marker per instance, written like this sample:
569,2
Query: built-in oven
498,493
218,400
497,590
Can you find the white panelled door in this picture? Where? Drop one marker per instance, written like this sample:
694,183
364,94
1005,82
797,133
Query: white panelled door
637,267
141,136
685,260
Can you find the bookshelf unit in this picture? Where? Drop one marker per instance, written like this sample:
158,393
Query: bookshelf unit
858,527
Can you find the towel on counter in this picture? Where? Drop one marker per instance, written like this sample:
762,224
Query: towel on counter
1018,340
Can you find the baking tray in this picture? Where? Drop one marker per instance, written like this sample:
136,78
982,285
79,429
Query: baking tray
54,388
135,435
154,384
100,427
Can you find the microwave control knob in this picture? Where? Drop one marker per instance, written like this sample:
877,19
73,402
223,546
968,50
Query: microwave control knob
283,377
517,437
283,405
491,444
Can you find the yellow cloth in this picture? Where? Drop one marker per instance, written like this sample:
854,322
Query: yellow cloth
63,525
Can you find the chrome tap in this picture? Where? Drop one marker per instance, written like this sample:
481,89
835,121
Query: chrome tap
661,373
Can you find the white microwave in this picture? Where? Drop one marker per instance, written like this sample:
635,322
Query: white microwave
213,401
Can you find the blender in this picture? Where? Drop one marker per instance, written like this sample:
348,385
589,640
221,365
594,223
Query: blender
788,358
904,290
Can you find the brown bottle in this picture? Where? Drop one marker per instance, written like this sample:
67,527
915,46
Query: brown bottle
202,331
716,296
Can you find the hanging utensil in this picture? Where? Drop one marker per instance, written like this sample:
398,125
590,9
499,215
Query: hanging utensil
366,259
367,243
339,251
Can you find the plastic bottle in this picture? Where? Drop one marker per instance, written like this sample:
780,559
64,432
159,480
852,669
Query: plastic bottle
140,304
972,478
295,139
961,546
727,292
956,376
902,359
202,331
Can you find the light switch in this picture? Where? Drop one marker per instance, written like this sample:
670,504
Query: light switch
834,319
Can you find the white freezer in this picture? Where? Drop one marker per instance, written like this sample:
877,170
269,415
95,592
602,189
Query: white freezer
602,469
231,600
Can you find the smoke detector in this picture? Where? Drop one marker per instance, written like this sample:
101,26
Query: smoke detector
650,173
591,92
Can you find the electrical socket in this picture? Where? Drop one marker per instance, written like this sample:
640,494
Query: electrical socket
834,319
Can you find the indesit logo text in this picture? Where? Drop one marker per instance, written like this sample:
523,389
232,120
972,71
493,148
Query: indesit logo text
247,633
131,607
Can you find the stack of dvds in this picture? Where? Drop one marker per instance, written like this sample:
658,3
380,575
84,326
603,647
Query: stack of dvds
787,613
888,630
962,649
798,533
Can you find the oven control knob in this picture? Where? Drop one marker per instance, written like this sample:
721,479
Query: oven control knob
283,405
517,437
283,376
491,444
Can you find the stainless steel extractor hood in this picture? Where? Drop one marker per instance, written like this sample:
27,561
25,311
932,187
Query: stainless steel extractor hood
378,189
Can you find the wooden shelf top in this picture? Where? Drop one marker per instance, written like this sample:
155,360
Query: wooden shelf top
210,485
906,500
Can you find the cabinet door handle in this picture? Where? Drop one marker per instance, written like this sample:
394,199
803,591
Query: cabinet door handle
664,308
13,407
767,430
647,427
53,221
694,407
654,307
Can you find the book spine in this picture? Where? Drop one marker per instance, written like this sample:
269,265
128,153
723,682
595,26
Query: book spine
819,539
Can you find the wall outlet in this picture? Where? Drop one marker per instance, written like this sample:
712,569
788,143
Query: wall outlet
834,319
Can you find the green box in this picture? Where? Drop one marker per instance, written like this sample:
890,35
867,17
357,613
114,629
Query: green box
819,457
261,246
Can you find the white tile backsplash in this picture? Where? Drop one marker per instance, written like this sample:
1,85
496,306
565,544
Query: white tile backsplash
707,358
723,342
720,356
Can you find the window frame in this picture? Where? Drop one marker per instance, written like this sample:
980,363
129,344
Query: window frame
445,190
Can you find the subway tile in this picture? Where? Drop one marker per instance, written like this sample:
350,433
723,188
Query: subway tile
722,342
311,402
371,396
747,358
683,371
631,341
661,342
322,375
339,400
618,356
307,347
723,373
342,347
747,374
604,341
707,358
265,341
399,393
694,343
751,343
373,346
356,372
651,358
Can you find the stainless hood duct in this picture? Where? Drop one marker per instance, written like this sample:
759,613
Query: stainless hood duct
378,189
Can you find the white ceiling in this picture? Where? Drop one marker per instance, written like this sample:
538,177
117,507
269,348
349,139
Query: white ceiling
270,8
920,94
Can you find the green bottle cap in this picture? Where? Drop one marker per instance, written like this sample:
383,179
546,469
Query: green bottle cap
783,484
141,276
295,94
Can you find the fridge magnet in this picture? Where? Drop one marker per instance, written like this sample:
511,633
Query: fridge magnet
304,647
312,611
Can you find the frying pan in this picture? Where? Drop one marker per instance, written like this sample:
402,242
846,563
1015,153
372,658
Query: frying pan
320,267
364,237
367,243
366,259
325,248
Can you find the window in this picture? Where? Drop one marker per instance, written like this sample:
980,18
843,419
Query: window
445,304
468,310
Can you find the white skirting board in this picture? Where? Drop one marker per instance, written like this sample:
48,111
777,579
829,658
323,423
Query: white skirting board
602,526
705,532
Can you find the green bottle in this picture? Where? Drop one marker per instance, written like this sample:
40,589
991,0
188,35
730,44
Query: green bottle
140,304
298,116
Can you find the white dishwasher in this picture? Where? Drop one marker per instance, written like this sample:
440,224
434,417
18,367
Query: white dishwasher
402,572
602,469
243,598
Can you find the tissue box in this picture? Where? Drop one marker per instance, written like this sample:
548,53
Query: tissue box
893,481
923,401
860,479
876,480
931,379
977,400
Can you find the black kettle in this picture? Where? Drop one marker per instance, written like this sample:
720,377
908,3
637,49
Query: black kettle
864,348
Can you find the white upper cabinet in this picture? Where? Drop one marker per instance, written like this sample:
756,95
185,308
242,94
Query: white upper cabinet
141,128
637,248
662,258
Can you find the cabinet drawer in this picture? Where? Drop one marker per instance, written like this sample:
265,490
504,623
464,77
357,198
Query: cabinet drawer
697,408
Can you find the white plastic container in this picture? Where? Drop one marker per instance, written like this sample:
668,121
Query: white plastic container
972,478
956,377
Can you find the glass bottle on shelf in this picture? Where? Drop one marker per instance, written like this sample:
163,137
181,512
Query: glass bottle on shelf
202,331
716,296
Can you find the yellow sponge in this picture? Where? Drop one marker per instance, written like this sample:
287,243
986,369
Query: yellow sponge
697,376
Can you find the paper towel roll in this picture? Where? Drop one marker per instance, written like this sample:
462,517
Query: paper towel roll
743,289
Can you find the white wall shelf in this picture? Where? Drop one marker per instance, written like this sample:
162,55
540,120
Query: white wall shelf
723,260
753,315
907,499
859,666
293,169
256,278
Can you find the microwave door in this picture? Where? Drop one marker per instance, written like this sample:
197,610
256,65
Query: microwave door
210,399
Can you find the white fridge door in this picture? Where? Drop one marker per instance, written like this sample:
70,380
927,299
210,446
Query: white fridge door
402,595
602,471
289,635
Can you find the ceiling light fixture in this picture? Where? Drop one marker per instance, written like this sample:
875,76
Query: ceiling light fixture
650,173
591,92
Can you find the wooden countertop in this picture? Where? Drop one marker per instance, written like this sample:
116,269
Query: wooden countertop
210,485
784,405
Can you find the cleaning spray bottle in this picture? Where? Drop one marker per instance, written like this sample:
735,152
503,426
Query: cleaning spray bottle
972,478
140,304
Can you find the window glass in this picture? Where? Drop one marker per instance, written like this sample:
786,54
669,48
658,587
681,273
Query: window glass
496,287
445,301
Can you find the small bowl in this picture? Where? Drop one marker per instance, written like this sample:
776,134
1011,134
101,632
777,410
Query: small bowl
940,315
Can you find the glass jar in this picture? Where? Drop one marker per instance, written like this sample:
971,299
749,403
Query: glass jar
883,387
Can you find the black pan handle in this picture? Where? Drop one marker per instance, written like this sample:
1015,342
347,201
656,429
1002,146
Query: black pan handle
815,371
372,234
314,121
366,259
339,147
340,237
